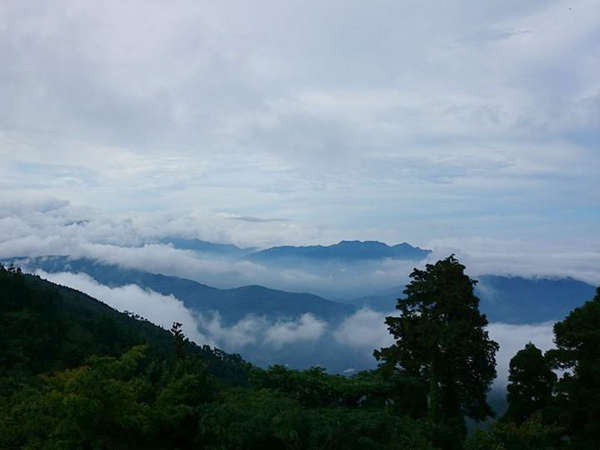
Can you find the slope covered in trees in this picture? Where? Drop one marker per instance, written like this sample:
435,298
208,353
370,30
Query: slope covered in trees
75,373
78,374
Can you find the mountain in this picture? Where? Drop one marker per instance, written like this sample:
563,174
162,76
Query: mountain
508,299
47,327
76,374
200,246
525,300
232,304
347,251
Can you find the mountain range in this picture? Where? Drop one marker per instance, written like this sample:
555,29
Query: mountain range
508,299
232,304
346,251
513,300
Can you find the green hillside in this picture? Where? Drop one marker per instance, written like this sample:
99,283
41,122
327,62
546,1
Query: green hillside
49,327
76,374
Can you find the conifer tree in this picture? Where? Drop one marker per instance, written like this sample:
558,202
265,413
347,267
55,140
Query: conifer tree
440,336
577,340
531,382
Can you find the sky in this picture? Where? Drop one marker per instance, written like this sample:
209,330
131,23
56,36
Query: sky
451,125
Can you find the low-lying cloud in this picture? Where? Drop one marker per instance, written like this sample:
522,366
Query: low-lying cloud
208,329
160,309
349,344
365,330
38,228
513,338
306,328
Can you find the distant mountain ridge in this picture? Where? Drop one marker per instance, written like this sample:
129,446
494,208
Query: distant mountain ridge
508,299
346,251
232,304
343,250
201,246
50,327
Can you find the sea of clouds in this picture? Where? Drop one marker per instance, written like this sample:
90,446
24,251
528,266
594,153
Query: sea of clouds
354,339
55,227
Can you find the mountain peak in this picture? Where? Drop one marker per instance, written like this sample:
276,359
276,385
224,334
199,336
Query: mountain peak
344,251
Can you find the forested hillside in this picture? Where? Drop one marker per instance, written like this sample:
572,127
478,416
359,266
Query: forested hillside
78,374
75,373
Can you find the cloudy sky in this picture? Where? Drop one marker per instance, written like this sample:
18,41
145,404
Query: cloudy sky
451,124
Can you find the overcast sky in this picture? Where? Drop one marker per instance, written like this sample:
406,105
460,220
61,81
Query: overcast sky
266,122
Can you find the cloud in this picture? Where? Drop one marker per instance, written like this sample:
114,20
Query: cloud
49,226
252,218
513,338
203,329
350,120
307,328
160,309
350,343
241,334
365,330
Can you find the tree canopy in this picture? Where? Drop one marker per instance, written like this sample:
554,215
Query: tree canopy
577,340
440,337
531,383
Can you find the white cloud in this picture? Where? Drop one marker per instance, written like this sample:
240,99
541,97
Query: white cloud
360,332
365,330
513,338
52,227
203,329
343,118
307,328
160,309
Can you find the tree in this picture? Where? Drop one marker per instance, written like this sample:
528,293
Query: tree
577,340
531,382
179,339
440,336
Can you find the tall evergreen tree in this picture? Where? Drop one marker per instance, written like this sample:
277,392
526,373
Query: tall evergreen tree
577,340
440,336
178,339
531,382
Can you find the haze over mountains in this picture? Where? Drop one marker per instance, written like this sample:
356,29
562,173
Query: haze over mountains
232,304
508,299
302,329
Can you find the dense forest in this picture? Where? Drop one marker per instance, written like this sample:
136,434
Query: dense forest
75,373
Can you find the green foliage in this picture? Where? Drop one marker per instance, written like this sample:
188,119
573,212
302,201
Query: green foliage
179,340
77,374
262,418
46,327
531,382
441,338
532,434
312,388
93,391
577,340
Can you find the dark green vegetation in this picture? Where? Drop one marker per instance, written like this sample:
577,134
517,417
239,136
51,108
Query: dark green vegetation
546,412
440,339
531,383
75,373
